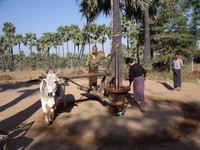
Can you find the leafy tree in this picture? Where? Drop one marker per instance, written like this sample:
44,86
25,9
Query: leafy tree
172,34
193,12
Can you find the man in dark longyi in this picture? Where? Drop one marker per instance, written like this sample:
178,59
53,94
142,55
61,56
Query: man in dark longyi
137,75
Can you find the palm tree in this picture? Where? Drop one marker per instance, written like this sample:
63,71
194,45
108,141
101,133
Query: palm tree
30,40
102,35
87,32
91,9
19,40
95,33
67,36
46,42
3,48
74,30
9,31
56,42
147,50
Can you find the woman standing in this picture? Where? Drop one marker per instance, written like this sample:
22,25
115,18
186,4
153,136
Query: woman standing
177,64
137,74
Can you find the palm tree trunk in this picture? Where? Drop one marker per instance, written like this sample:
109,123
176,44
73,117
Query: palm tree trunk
103,47
63,49
31,56
3,61
116,40
19,48
74,60
138,55
67,50
20,61
12,60
89,44
56,56
59,51
147,51
127,50
103,62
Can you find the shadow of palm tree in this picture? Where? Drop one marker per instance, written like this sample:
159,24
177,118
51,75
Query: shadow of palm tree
119,136
70,102
17,139
15,120
13,86
25,94
15,126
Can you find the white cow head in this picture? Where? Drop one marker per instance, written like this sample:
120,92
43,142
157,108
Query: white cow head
51,84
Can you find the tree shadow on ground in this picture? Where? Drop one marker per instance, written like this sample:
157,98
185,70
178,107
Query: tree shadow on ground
13,86
162,139
17,139
25,94
70,102
166,85
17,128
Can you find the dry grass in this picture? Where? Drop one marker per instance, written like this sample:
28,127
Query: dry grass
187,75
29,74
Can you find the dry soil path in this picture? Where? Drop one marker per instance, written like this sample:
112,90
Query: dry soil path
171,119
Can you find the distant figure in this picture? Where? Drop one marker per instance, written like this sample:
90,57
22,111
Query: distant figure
93,61
177,64
135,75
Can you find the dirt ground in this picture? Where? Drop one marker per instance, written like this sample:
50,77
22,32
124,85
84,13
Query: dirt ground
171,120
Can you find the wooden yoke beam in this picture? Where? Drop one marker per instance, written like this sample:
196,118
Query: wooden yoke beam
74,76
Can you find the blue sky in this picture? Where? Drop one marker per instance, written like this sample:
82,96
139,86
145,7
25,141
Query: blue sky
39,16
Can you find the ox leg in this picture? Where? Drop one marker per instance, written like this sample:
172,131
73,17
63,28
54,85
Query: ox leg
52,114
44,108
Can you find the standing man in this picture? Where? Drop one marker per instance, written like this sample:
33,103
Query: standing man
177,64
93,62
137,75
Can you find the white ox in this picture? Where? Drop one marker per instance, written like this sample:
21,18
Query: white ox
52,90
